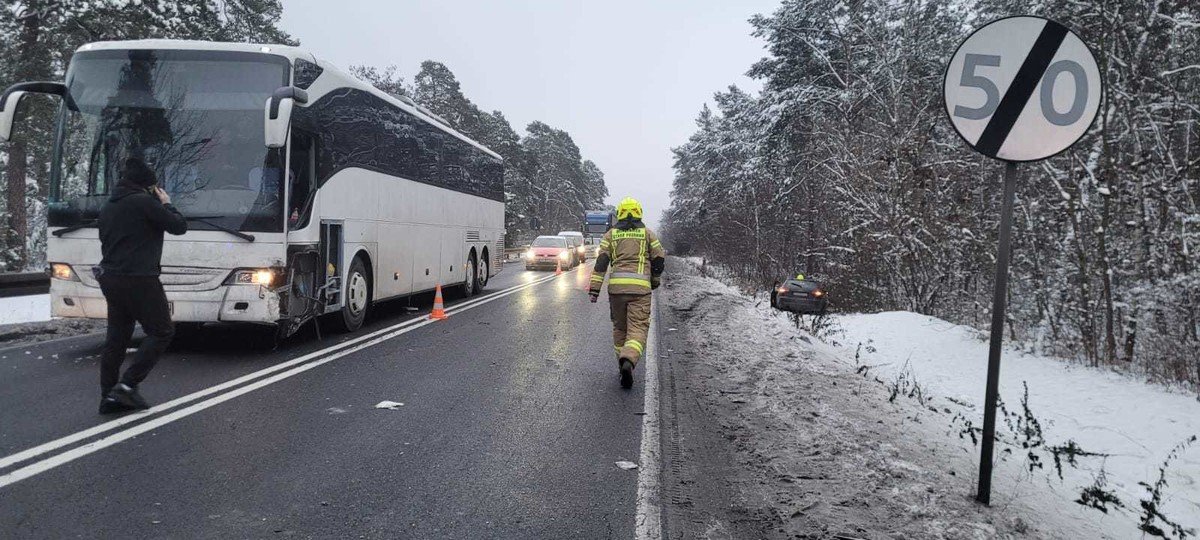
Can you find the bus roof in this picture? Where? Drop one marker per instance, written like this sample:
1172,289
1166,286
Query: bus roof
291,53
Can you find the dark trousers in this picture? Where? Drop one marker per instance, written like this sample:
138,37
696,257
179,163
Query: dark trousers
133,299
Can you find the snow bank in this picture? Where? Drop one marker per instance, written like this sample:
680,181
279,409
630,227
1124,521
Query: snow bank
1136,423
822,444
22,309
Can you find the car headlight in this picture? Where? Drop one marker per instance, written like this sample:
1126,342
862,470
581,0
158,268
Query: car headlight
255,276
818,294
564,255
529,254
63,271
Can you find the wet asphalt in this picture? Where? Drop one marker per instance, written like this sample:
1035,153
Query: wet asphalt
511,424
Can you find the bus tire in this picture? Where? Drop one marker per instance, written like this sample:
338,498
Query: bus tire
471,280
358,298
485,268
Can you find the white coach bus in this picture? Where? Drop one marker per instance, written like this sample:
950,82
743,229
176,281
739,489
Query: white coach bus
307,191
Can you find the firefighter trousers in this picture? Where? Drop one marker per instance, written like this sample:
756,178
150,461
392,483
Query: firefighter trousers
631,323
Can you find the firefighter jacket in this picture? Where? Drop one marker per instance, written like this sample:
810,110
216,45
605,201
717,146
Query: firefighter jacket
634,255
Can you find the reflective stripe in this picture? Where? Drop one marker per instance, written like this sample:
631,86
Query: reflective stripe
634,344
656,244
597,278
629,281
642,256
633,275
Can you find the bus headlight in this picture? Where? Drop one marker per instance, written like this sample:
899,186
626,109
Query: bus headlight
265,277
63,271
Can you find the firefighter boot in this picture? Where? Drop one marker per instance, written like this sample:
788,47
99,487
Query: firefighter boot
626,374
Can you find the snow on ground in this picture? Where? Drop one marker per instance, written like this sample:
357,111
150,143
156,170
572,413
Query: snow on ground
759,352
22,309
1136,423
822,444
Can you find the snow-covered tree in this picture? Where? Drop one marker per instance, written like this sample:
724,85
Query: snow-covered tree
845,167
37,39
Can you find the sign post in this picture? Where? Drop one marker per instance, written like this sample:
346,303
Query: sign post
1018,89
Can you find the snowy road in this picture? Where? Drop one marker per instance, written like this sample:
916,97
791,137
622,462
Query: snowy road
511,424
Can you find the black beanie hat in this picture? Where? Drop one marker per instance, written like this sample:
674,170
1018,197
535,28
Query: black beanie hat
137,174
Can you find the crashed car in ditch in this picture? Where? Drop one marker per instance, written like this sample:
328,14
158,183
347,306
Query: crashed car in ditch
800,295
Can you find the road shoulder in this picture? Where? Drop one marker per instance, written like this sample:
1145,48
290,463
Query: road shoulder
763,437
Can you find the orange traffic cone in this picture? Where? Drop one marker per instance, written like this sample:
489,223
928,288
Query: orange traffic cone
558,268
439,308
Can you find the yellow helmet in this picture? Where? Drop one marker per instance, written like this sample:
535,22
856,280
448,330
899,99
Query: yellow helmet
629,208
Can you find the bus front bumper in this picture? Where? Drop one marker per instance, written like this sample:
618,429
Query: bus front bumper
227,303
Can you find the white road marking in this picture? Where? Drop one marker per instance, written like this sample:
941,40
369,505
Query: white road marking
648,519
339,350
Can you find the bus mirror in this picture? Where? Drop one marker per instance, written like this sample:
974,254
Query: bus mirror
277,116
8,113
12,97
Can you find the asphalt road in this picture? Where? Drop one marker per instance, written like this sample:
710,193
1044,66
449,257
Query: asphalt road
511,424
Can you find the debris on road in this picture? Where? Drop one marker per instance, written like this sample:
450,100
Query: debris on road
389,405
627,465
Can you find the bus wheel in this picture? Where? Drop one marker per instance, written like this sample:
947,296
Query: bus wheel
471,280
358,298
485,268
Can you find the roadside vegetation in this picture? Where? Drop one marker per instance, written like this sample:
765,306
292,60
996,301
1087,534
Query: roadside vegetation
845,168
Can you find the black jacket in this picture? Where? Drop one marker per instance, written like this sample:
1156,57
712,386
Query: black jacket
131,231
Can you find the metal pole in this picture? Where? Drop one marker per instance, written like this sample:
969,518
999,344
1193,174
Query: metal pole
998,304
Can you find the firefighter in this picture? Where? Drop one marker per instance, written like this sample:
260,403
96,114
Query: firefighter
636,259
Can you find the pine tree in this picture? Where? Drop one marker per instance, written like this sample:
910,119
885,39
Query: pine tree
36,43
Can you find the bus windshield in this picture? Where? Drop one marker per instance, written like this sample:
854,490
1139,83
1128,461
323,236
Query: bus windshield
196,117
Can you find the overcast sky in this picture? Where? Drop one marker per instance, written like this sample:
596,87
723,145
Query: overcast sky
626,78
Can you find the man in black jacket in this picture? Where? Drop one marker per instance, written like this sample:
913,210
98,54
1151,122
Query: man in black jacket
132,223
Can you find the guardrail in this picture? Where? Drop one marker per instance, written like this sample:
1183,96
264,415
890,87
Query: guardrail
24,284
512,254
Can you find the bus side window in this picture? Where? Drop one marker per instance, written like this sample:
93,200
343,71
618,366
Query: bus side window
302,174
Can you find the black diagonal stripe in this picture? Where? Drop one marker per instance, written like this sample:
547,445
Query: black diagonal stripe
1021,89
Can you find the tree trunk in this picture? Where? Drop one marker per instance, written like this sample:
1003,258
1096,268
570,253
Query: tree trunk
18,223
18,151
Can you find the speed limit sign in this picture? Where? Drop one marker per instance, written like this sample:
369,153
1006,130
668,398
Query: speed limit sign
1022,89
1018,89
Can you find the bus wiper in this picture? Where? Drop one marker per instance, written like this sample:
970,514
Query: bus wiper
222,228
73,228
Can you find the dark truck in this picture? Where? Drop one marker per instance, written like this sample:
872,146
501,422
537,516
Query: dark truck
597,222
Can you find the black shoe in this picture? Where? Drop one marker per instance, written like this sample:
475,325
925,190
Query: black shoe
110,405
128,396
626,374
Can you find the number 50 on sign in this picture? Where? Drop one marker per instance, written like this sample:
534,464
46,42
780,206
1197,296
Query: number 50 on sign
1022,89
